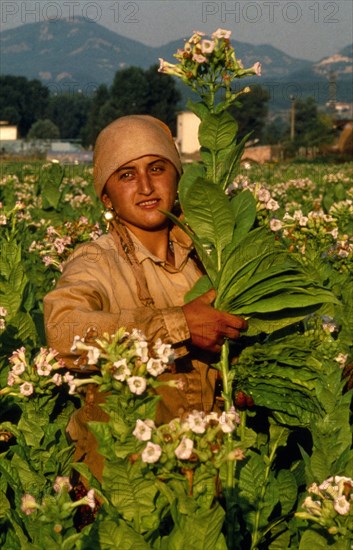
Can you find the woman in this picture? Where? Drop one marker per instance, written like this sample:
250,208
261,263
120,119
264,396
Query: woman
136,276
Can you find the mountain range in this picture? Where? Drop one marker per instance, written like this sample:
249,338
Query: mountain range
80,54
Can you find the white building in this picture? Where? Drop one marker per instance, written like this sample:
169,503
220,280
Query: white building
187,133
8,132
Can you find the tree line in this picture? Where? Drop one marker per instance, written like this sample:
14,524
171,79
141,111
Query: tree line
76,116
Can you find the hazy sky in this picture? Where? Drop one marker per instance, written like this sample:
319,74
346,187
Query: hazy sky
308,29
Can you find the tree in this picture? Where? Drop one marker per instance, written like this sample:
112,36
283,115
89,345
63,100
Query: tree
311,127
27,98
251,112
163,97
69,113
95,115
133,91
275,131
44,129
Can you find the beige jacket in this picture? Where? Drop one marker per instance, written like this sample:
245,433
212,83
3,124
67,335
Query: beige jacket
98,289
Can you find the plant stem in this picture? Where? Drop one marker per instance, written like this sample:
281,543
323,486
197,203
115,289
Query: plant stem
256,535
230,467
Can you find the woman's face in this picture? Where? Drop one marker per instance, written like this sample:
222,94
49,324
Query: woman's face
140,189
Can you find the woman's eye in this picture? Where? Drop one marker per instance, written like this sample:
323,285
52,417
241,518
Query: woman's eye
126,175
157,168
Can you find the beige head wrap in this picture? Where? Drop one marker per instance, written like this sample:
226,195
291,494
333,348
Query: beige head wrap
129,138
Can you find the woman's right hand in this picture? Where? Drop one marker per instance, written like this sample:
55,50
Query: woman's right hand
209,327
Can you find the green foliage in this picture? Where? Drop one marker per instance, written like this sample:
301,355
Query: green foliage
251,113
133,91
27,100
69,112
247,480
44,129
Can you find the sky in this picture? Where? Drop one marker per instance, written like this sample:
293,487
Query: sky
306,29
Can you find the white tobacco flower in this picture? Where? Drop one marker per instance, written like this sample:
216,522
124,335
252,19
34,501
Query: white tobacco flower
155,366
77,339
3,311
199,58
137,335
93,354
62,482
312,506
47,260
221,33
68,377
57,379
233,414
51,354
341,358
196,37
141,348
212,417
314,489
197,422
257,68
44,369
89,499
207,46
236,454
341,505
72,388
28,504
12,379
184,449
18,368
226,423
18,356
26,388
137,384
151,453
120,370
165,352
263,195
143,430
275,224
272,205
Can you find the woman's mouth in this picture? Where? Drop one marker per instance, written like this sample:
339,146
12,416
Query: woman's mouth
151,203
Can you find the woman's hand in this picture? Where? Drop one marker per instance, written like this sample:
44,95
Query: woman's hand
208,326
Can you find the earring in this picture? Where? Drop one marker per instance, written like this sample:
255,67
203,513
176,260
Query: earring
108,216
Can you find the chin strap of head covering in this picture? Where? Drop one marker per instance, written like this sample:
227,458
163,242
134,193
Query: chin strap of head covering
126,248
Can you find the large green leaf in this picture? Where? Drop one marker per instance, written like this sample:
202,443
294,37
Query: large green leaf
285,300
228,166
197,530
25,327
28,477
251,479
191,172
208,212
244,208
32,431
287,490
313,540
111,535
217,131
202,285
130,493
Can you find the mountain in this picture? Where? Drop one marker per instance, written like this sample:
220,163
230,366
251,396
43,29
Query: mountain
79,51
68,55
340,63
83,52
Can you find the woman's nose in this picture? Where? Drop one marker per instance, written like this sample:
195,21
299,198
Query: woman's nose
145,183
